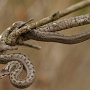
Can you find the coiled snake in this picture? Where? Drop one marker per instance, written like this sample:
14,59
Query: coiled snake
15,64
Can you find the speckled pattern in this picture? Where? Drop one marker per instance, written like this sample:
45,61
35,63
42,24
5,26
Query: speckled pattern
15,68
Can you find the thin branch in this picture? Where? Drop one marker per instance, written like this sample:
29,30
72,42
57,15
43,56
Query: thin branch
60,14
29,45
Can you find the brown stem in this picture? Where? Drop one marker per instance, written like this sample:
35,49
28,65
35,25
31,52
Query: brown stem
60,14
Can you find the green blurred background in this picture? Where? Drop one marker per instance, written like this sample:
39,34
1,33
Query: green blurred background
58,66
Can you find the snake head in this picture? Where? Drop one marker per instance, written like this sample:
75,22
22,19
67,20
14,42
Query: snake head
3,73
20,24
8,68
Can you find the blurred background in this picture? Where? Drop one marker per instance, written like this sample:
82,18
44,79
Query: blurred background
58,66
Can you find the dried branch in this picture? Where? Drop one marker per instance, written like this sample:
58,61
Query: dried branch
29,45
60,14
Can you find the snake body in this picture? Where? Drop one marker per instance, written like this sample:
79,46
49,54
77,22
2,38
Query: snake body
14,72
15,62
19,35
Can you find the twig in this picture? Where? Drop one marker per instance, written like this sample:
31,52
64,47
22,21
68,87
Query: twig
29,45
25,23
60,14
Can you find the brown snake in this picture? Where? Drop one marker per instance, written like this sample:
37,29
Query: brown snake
15,64
15,71
25,33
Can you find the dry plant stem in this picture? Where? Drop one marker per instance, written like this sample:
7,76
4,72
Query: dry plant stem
29,45
63,13
75,7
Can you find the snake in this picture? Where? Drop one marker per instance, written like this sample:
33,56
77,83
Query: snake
16,63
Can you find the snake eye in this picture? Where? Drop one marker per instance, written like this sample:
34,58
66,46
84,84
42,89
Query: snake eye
1,76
